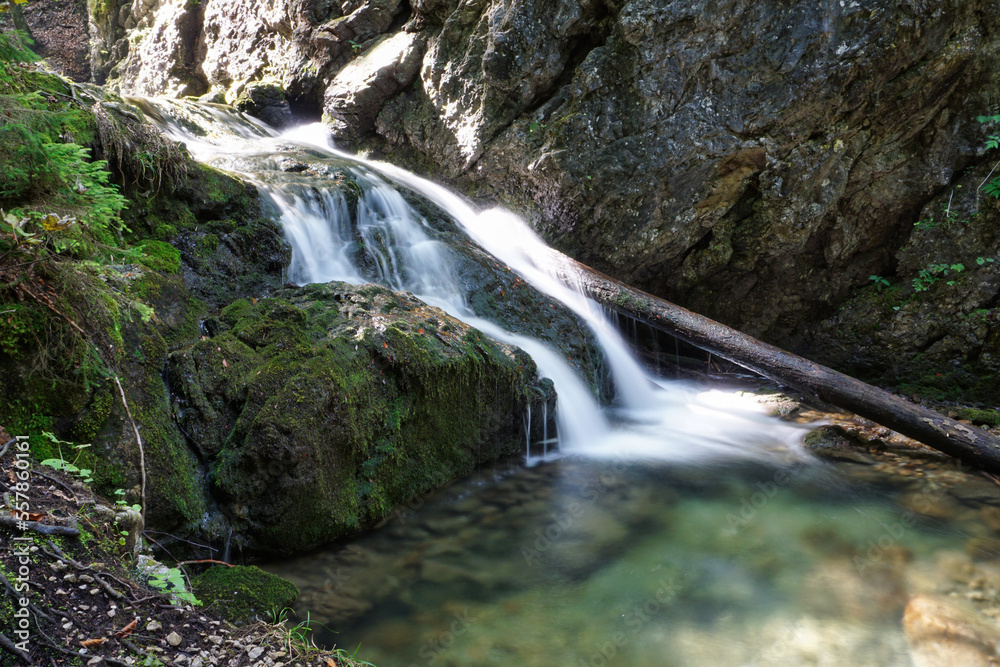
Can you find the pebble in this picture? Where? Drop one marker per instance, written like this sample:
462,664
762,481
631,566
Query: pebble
255,652
71,578
174,639
153,626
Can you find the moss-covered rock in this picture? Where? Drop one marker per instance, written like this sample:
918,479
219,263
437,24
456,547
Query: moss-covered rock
244,594
322,408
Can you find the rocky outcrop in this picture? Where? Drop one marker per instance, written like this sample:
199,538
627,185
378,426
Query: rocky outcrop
929,324
755,162
321,409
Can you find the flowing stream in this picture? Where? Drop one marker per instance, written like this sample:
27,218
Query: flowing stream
680,525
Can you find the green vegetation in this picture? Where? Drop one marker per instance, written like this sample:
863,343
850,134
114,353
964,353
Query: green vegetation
879,282
991,184
244,594
933,273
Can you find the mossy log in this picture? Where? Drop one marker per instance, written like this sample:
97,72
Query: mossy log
968,443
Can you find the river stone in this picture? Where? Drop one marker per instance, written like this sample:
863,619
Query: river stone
945,631
320,409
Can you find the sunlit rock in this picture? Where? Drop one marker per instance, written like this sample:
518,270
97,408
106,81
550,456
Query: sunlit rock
944,632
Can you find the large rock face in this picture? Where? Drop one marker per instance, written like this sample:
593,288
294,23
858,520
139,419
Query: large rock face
755,161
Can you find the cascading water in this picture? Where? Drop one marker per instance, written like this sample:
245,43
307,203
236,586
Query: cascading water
625,555
389,242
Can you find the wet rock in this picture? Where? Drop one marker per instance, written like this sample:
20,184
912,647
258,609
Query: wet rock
837,588
322,408
265,101
944,631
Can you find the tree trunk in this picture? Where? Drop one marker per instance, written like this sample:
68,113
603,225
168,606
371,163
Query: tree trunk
972,445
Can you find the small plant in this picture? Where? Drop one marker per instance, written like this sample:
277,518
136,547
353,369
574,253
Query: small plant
122,503
933,273
983,260
991,186
172,582
355,47
879,281
62,464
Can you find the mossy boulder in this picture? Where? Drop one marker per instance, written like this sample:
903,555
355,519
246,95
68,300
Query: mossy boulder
243,594
322,408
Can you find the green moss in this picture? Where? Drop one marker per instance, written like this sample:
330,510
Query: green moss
980,417
160,256
206,245
340,424
244,594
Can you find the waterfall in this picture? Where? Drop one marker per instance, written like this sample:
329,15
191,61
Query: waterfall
651,417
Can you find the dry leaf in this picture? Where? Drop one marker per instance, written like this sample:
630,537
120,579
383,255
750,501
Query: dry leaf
87,643
127,630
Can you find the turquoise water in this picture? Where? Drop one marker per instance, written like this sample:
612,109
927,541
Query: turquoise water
582,562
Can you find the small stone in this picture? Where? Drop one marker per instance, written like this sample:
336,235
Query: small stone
255,652
197,662
86,578
153,626
215,639
71,578
84,607
94,591
174,639
61,592
111,613
95,660
67,625
274,655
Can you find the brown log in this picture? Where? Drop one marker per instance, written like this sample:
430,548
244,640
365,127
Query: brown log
968,443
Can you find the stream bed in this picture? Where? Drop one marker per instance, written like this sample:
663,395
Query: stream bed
623,561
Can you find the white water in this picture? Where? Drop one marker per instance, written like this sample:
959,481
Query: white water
652,418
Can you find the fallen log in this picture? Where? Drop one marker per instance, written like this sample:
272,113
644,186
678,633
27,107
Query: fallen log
967,443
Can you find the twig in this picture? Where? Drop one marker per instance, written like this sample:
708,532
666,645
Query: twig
11,648
205,560
183,572
9,442
56,481
83,656
14,595
146,533
34,526
131,646
142,453
108,588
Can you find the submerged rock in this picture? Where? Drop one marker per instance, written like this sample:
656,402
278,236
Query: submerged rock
944,631
320,409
